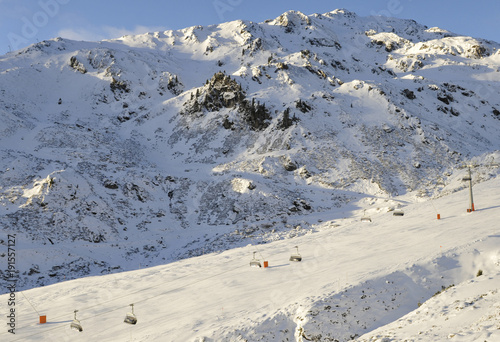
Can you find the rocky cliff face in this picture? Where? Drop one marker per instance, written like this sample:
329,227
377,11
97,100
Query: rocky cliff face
141,150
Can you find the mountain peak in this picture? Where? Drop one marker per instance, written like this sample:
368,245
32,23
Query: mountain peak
344,12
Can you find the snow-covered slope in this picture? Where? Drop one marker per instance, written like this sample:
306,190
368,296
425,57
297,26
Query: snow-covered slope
138,151
355,278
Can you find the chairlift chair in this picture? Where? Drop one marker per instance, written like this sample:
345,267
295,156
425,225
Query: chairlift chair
468,175
366,218
296,256
398,212
130,318
76,324
255,262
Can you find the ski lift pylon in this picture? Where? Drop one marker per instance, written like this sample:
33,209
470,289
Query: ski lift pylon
76,323
130,318
296,256
366,218
255,262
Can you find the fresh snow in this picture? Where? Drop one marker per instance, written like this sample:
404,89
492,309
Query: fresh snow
147,169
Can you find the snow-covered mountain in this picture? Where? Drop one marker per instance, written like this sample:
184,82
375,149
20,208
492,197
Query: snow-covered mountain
139,151
410,278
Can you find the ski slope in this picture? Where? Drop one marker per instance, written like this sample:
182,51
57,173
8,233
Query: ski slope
356,280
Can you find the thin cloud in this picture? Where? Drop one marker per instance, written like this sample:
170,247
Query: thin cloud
80,34
115,32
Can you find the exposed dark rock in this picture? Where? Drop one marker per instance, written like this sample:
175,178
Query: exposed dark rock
303,106
227,124
220,92
289,165
445,98
255,114
223,92
118,86
286,121
409,94
281,66
110,184
172,84
454,112
477,51
77,65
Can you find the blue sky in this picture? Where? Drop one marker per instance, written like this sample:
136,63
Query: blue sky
24,22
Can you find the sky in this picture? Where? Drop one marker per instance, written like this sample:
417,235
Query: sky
25,22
